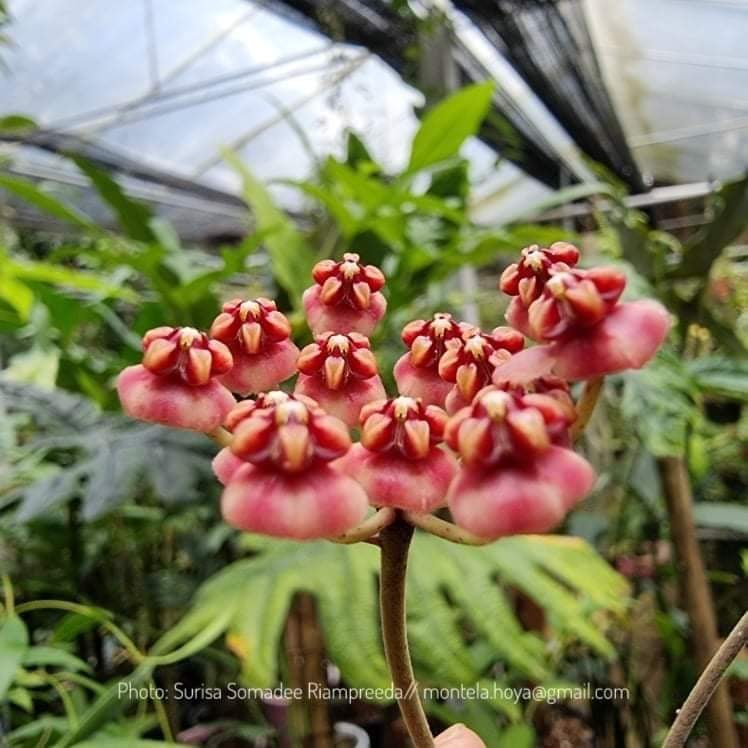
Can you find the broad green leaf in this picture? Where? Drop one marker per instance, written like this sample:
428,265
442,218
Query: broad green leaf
450,589
292,259
658,402
729,208
16,123
721,376
133,216
721,515
449,124
36,196
14,642
17,295
114,456
37,366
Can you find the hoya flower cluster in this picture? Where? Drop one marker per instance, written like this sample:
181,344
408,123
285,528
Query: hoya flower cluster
481,422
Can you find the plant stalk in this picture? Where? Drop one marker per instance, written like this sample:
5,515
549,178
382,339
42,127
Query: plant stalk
586,406
395,543
706,685
696,594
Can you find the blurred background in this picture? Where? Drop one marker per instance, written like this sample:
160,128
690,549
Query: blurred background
158,157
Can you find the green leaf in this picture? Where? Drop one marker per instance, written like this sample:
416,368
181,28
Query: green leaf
30,193
451,590
14,642
722,515
17,295
292,259
102,741
76,280
114,456
21,697
37,366
449,124
134,217
721,376
517,736
16,123
658,402
729,209
42,656
107,706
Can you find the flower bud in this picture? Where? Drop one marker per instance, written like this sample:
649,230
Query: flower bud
398,461
340,372
346,296
176,383
258,336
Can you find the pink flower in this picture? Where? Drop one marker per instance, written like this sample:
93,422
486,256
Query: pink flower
258,336
527,278
286,487
578,314
176,383
398,461
340,373
469,362
517,476
346,296
417,372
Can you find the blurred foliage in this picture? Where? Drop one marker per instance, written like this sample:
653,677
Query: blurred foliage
120,519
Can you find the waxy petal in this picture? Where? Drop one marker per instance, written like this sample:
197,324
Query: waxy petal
391,479
170,401
318,503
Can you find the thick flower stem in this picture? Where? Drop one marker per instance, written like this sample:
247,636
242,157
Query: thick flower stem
586,405
395,542
707,684
368,528
443,529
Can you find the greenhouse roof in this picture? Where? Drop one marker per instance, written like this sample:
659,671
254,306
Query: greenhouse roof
157,89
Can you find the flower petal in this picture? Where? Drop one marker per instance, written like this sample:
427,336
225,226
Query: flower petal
320,502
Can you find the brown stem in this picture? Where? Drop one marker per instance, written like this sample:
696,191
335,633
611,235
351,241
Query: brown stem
586,405
707,684
395,542
443,529
695,593
368,528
